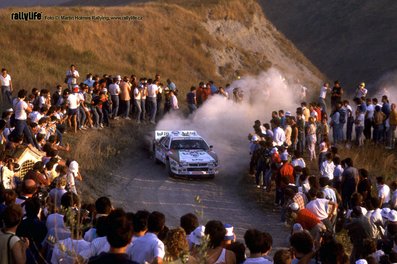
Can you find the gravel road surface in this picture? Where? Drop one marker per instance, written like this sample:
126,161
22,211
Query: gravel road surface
141,184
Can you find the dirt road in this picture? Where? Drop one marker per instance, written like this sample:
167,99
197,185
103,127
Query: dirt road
142,184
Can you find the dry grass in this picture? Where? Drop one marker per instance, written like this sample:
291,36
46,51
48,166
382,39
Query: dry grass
166,41
375,159
100,152
171,40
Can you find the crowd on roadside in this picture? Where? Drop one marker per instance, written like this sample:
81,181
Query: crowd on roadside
318,192
42,216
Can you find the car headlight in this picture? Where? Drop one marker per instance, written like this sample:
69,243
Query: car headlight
173,162
183,164
213,164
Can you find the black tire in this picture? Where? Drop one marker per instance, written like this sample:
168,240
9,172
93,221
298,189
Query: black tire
168,168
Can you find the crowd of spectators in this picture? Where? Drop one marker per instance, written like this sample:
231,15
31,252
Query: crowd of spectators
44,218
319,193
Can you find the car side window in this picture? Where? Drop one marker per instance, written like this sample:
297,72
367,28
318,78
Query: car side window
166,142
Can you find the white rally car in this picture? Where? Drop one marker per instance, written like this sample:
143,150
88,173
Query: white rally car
185,153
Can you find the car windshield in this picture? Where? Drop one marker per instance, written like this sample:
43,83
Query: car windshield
189,144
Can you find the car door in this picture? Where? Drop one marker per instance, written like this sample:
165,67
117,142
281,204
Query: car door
163,149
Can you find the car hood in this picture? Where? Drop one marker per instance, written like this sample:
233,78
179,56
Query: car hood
194,156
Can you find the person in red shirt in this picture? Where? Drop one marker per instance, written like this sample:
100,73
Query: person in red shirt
199,94
206,92
307,220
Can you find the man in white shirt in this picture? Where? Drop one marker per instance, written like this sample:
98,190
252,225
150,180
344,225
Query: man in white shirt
71,76
114,90
21,110
278,133
383,191
6,87
323,95
322,208
327,167
149,248
152,91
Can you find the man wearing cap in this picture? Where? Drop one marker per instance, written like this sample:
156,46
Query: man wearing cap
195,237
307,220
114,90
72,174
230,237
361,91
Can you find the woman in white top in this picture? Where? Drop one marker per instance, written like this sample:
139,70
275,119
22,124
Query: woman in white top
311,138
216,254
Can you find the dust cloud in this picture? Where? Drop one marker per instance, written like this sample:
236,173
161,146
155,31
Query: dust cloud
387,85
226,124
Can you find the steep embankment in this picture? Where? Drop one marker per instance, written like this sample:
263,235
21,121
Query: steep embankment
347,40
186,41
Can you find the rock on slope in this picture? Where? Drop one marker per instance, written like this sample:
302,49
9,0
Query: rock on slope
347,40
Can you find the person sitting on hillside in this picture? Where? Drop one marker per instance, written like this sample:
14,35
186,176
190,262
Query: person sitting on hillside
327,167
177,248
103,207
302,247
12,247
215,252
119,237
257,242
32,228
322,208
149,248
383,191
189,222
68,250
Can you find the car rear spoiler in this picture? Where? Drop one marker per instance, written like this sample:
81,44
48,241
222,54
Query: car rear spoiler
158,134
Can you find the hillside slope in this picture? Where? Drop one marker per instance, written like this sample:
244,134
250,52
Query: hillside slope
187,42
347,40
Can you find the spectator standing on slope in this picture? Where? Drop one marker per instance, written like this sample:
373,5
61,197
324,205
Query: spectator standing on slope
323,95
191,100
125,98
6,87
152,91
137,101
71,76
174,101
114,90
361,91
390,135
336,94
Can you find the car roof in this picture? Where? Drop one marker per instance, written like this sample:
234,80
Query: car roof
177,134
